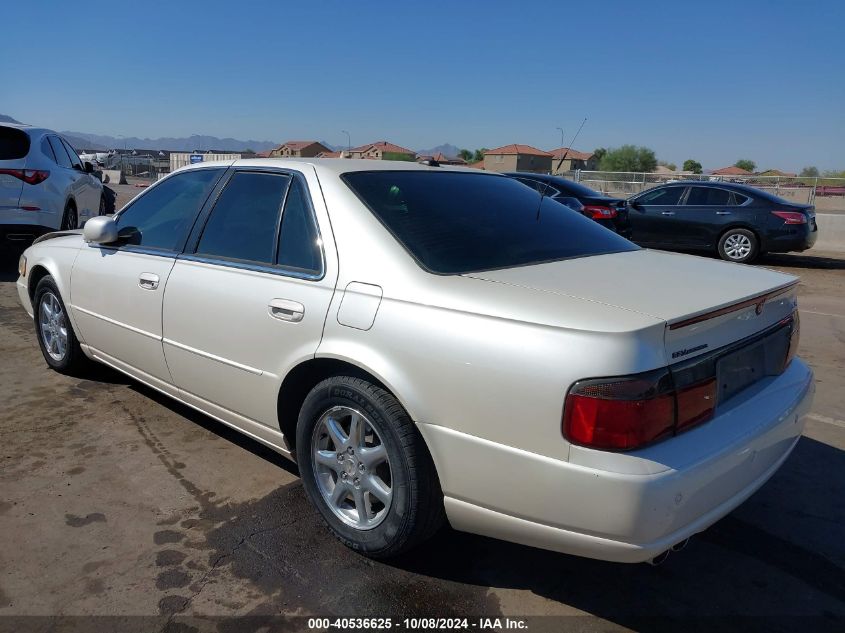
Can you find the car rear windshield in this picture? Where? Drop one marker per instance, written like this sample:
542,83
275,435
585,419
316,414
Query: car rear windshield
14,144
455,222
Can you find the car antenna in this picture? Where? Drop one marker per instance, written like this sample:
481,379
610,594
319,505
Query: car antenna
562,158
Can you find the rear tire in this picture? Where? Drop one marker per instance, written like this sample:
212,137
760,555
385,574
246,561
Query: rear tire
366,469
740,246
54,332
70,219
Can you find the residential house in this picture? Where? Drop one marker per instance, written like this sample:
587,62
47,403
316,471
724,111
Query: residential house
298,149
573,160
516,157
733,170
330,155
777,172
441,158
382,150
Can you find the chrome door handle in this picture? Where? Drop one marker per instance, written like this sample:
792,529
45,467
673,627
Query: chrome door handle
287,310
723,213
148,281
667,213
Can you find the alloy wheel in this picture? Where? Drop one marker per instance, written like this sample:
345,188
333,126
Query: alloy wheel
53,326
351,467
737,246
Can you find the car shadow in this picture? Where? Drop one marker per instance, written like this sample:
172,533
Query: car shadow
776,563
816,262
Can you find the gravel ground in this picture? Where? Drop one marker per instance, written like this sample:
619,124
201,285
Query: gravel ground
115,501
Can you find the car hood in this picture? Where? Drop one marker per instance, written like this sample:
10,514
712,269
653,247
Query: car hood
55,234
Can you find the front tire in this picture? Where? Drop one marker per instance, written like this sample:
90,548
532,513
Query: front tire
366,469
70,219
738,245
55,334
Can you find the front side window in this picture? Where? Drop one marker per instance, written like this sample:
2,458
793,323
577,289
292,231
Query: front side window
74,157
244,221
162,217
708,197
456,223
668,196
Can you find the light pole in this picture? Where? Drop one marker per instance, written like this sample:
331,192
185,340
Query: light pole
348,141
561,135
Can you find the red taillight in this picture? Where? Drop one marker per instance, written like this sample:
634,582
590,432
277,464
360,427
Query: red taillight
599,212
620,413
793,340
696,404
29,176
791,217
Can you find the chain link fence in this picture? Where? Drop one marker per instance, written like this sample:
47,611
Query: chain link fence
827,194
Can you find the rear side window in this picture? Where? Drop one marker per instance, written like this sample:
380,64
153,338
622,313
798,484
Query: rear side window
299,240
14,143
60,152
708,197
162,217
667,196
455,222
244,222
738,199
47,149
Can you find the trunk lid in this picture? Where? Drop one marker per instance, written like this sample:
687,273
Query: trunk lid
706,304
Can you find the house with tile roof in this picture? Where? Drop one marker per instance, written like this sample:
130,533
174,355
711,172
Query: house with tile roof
441,158
298,149
733,170
572,160
382,150
516,157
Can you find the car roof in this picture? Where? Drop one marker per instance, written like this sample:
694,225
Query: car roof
29,129
715,184
339,166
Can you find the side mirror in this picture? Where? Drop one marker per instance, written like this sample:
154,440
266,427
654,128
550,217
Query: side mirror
633,204
88,167
100,230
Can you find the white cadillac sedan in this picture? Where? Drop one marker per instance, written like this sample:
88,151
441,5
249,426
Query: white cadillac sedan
433,343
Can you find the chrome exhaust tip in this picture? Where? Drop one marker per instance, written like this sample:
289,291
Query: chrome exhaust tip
677,547
660,558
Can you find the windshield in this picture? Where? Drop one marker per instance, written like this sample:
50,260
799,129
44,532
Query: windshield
456,222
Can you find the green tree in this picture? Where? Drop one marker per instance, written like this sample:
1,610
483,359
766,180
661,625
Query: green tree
744,163
669,166
692,165
479,154
812,172
465,154
628,158
599,153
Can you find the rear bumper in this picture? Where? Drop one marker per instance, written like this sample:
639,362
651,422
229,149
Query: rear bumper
785,241
607,513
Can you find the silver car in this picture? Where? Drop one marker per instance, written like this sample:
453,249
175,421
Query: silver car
435,343
44,186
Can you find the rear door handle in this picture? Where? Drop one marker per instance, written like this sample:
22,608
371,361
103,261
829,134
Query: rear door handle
723,213
668,213
287,310
148,281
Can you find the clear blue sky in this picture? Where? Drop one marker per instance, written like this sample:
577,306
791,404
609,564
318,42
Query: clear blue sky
715,81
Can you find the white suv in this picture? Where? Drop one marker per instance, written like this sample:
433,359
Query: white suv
44,186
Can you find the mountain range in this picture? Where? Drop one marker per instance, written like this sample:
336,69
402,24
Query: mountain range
101,142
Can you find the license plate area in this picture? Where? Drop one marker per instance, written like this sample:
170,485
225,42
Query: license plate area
741,369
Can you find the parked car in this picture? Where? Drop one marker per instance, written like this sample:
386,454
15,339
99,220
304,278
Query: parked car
44,186
737,222
424,344
611,213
